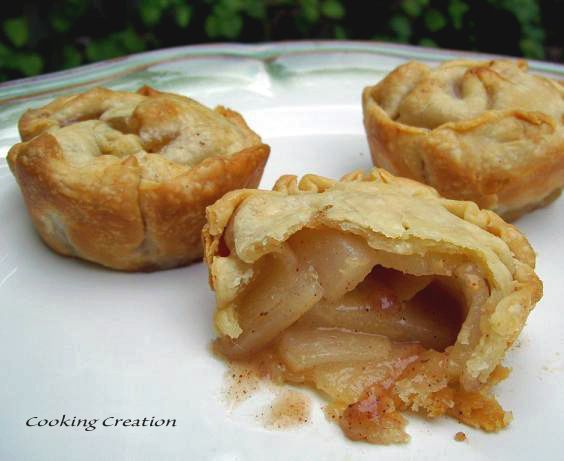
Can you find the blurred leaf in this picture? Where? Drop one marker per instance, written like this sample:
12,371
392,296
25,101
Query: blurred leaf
131,41
183,13
332,9
310,10
231,26
16,30
401,26
532,49
536,33
5,52
413,8
457,9
524,10
434,20
60,23
212,27
223,23
71,57
232,5
29,64
98,50
428,42
117,44
256,9
340,33
151,11
71,32
64,13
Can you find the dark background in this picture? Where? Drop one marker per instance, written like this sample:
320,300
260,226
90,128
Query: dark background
45,36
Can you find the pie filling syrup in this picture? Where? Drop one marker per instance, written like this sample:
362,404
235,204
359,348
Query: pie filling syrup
374,332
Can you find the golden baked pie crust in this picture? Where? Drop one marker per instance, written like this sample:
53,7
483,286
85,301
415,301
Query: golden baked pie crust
98,186
483,131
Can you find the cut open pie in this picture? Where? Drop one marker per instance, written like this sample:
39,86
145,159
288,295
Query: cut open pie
486,131
123,179
374,290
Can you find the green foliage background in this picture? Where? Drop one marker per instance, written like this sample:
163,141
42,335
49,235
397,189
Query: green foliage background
41,36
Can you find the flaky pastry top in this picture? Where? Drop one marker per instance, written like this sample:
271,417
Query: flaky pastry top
419,96
101,121
410,215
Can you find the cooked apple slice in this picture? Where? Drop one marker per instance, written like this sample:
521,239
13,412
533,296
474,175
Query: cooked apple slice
303,349
346,381
341,260
432,317
279,296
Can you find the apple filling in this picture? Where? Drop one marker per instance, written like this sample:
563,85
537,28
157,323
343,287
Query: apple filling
377,332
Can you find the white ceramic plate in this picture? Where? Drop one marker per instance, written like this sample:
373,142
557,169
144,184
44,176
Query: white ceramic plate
79,340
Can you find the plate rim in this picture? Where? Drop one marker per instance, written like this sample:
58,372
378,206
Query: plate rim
43,85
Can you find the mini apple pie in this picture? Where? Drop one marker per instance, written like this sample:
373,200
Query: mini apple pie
374,290
123,179
483,131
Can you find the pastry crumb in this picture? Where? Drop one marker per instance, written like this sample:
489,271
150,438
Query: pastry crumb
460,436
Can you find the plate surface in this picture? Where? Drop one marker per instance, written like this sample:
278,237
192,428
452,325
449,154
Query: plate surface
79,340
